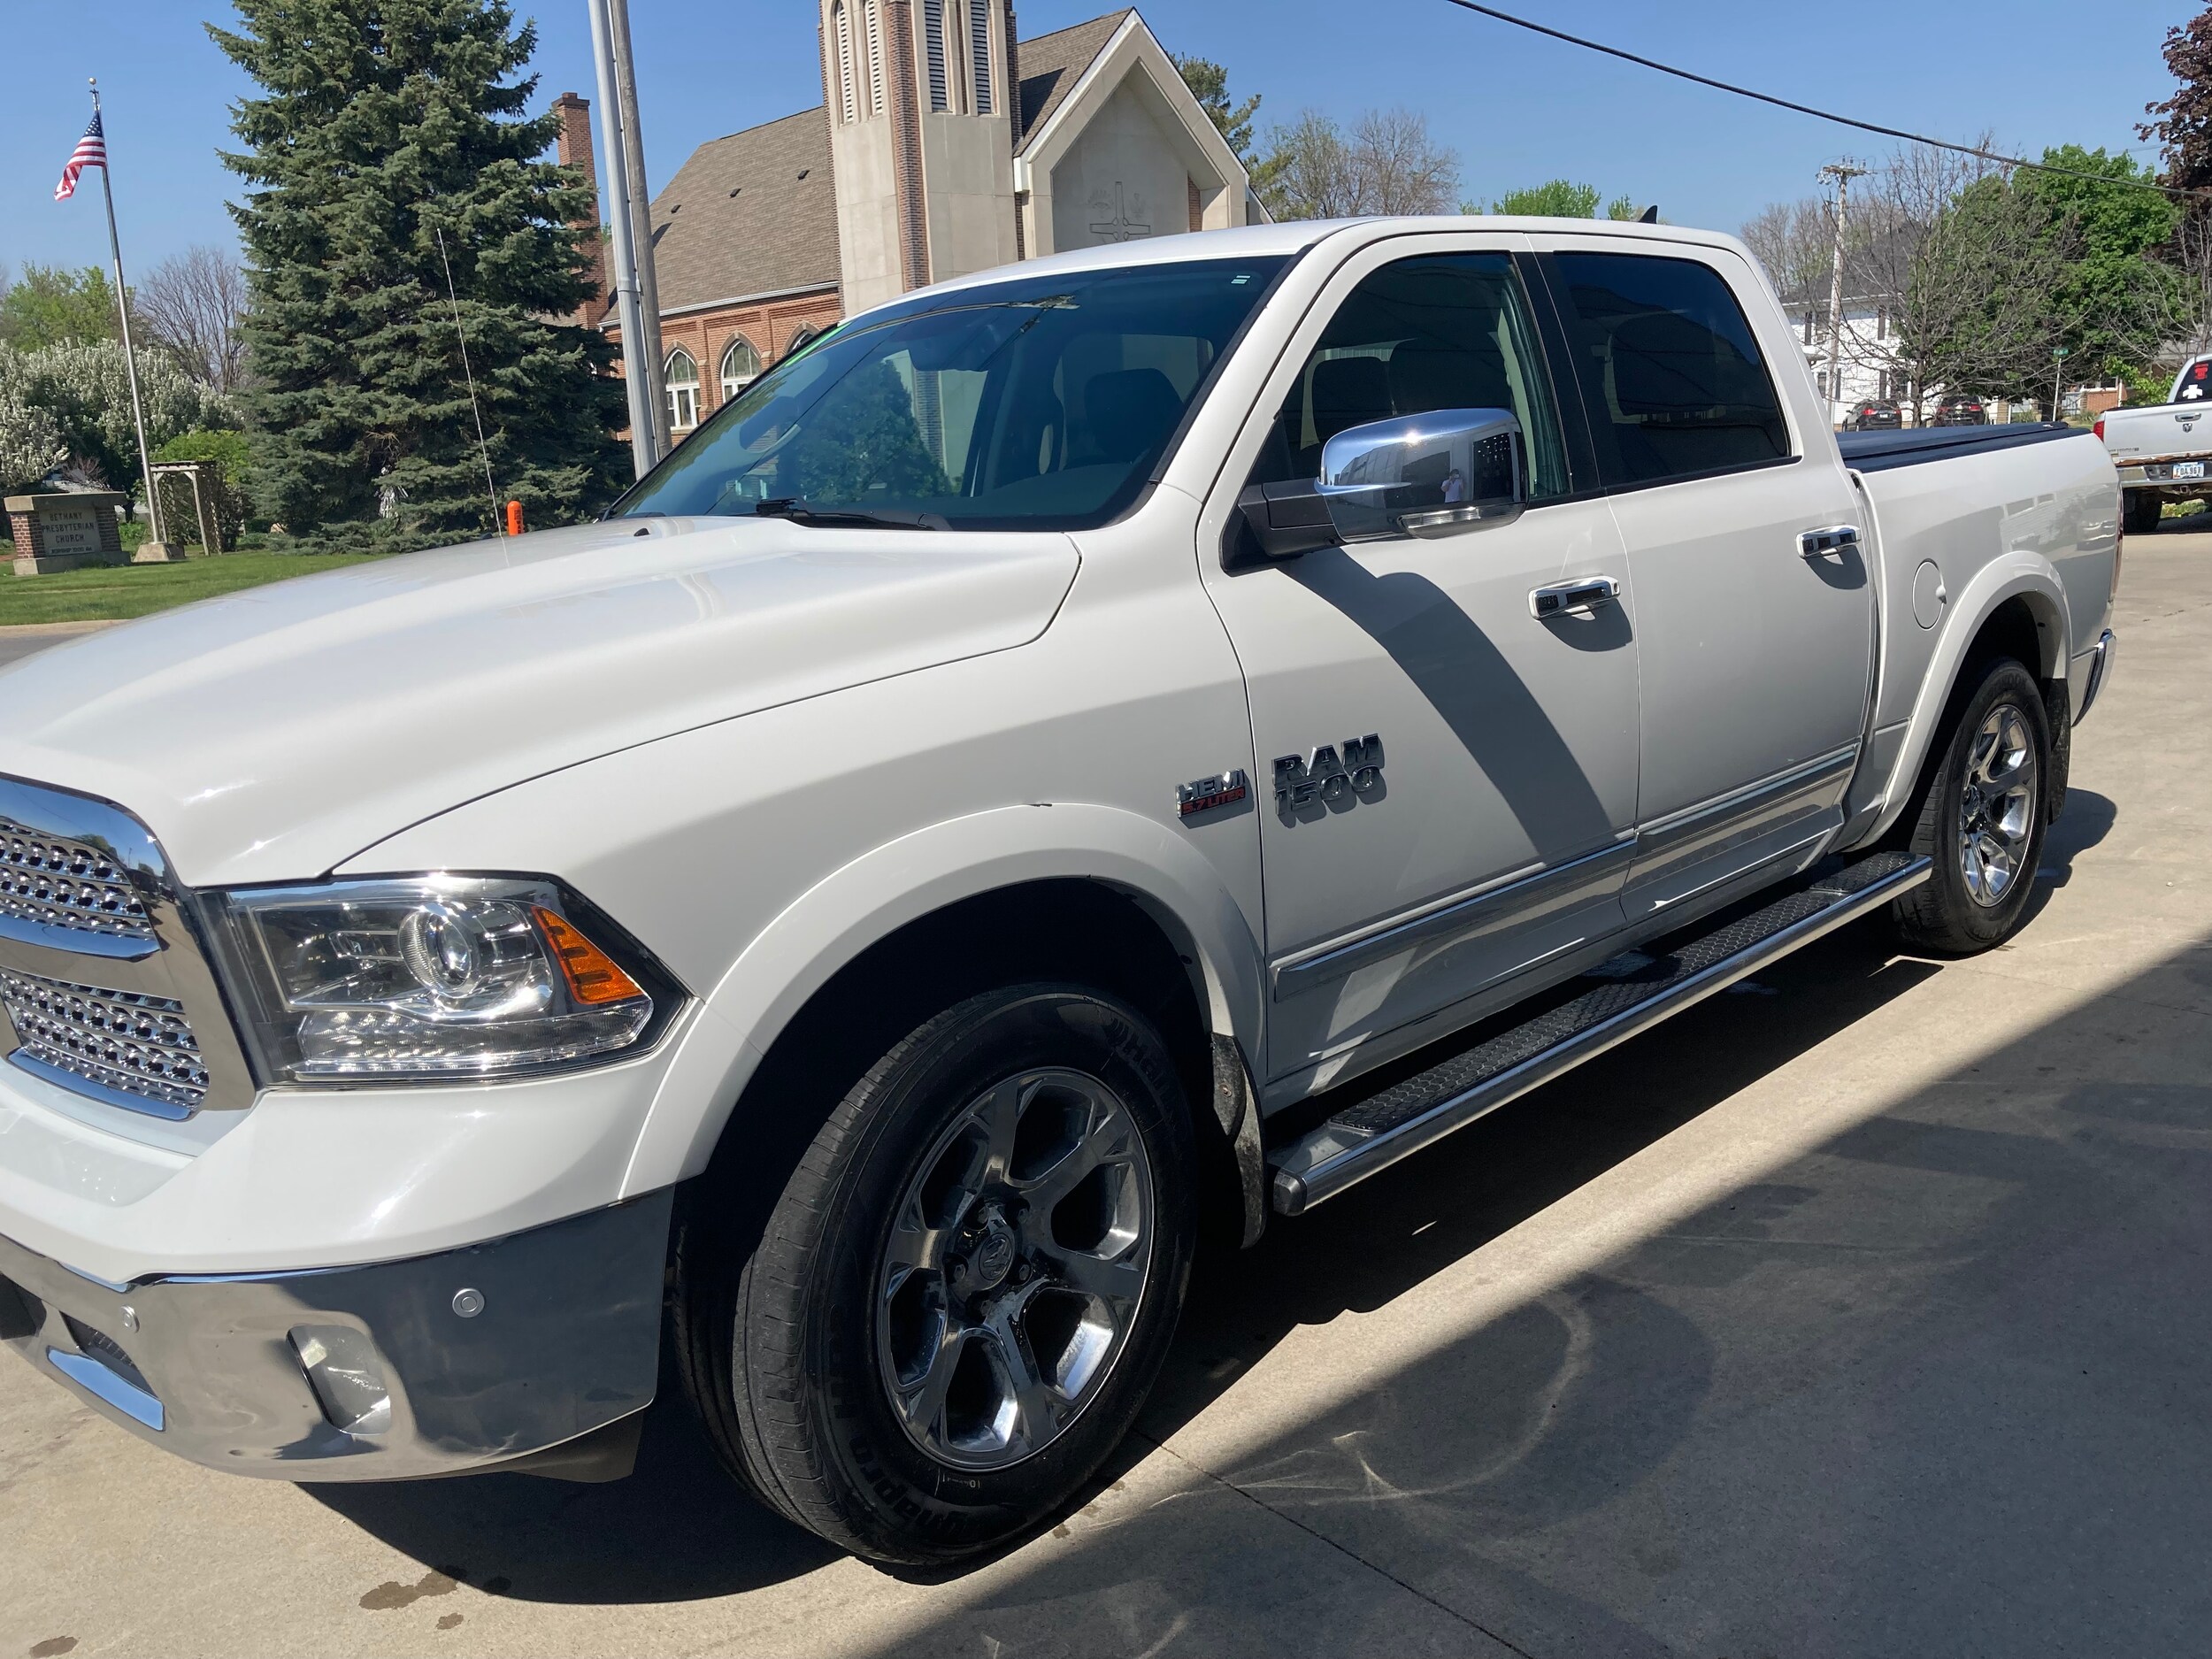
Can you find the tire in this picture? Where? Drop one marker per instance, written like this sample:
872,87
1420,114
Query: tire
2139,512
1981,818
904,1362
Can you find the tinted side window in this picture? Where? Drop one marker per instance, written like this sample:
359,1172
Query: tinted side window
1669,370
1445,331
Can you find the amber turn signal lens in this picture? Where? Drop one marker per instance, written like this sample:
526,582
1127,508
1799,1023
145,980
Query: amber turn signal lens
593,978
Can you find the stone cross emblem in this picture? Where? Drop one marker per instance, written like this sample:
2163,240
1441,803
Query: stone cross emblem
1121,228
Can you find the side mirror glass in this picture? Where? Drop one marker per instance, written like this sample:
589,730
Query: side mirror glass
1424,475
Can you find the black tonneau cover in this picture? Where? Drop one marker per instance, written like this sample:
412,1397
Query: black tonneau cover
1877,452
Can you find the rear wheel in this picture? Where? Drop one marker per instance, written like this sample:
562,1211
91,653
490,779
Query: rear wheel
1981,818
967,1288
2139,512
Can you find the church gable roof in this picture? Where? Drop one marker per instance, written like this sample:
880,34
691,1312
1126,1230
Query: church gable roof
753,213
1052,64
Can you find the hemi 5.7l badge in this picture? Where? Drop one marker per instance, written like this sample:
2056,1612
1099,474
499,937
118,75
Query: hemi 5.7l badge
1204,794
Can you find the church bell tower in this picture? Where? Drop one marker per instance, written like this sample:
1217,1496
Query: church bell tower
921,107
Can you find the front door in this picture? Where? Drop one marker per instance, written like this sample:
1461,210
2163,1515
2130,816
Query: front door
1757,643
1448,782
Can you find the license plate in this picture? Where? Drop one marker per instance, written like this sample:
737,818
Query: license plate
2188,469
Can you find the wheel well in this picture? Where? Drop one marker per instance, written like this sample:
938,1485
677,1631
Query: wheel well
1076,930
2014,629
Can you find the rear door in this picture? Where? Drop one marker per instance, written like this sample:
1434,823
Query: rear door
1755,616
1459,777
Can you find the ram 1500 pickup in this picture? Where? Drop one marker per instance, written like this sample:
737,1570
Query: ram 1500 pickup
2162,449
1134,741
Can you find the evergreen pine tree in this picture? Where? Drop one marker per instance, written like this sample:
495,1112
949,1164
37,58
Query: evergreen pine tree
384,123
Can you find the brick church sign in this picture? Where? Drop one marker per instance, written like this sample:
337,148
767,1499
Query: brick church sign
65,531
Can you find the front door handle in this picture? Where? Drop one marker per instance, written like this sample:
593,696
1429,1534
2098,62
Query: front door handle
1819,544
1586,592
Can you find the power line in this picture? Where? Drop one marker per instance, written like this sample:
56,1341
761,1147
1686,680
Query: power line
1822,115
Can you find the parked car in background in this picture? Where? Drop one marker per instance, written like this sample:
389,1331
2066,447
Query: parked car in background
1961,411
1147,737
1879,414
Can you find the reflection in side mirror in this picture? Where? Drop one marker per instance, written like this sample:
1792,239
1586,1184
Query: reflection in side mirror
1424,475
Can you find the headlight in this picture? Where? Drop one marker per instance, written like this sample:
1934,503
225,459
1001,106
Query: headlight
434,979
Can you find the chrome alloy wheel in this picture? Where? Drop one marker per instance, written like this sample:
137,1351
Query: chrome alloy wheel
1997,811
1018,1257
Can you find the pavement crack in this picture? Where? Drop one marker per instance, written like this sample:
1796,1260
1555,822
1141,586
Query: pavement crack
1380,1571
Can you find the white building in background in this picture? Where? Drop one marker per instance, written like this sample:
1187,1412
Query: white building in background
1867,366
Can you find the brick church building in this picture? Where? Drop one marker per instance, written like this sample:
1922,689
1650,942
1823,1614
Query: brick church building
944,145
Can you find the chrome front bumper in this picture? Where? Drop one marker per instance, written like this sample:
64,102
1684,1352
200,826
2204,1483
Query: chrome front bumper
563,1344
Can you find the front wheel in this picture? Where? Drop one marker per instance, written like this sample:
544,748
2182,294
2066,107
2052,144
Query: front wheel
967,1288
1982,819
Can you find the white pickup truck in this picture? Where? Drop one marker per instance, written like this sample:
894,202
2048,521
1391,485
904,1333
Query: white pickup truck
985,807
2163,450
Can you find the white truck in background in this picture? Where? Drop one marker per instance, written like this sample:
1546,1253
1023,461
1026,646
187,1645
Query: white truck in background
2162,449
988,803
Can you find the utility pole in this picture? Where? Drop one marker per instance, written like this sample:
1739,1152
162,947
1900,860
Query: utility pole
639,368
641,221
1842,173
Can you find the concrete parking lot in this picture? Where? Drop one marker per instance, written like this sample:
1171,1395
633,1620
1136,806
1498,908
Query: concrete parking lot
1860,1311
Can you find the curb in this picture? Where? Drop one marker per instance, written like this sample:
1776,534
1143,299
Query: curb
26,630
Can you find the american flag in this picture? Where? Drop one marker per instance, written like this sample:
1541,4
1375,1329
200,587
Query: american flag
91,151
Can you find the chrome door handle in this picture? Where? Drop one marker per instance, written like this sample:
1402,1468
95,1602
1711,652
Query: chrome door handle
1586,593
1818,544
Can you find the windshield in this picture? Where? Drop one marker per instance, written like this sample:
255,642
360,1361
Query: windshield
1044,403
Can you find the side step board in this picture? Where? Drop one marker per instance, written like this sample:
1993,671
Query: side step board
1629,993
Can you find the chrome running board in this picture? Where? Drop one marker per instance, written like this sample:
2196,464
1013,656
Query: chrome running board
1629,993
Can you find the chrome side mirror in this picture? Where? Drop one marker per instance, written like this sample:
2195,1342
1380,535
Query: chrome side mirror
1424,475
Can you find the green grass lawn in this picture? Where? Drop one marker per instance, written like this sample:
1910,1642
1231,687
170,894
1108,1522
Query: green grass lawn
118,591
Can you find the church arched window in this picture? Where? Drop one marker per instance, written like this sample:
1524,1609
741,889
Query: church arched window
980,52
682,375
841,35
740,368
934,47
873,19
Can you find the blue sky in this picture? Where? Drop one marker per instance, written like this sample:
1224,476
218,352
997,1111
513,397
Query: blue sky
1518,108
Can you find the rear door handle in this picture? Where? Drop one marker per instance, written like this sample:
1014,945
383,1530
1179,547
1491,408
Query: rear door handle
1586,592
1818,544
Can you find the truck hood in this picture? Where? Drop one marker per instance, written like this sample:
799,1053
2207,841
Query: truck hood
2158,430
272,734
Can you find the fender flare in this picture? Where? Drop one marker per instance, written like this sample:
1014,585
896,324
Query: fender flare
870,898
2012,575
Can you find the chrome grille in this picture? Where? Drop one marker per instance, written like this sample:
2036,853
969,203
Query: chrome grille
64,883
134,1044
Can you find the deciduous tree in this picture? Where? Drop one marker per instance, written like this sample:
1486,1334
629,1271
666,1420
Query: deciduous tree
193,303
1386,164
48,306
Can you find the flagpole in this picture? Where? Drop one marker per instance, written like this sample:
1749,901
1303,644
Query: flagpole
123,312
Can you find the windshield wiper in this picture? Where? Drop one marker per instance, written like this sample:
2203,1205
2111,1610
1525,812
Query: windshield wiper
846,517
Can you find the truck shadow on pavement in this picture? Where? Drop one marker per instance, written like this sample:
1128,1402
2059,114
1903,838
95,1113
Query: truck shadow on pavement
678,1529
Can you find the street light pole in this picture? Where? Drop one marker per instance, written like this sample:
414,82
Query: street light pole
1842,173
2058,370
637,360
